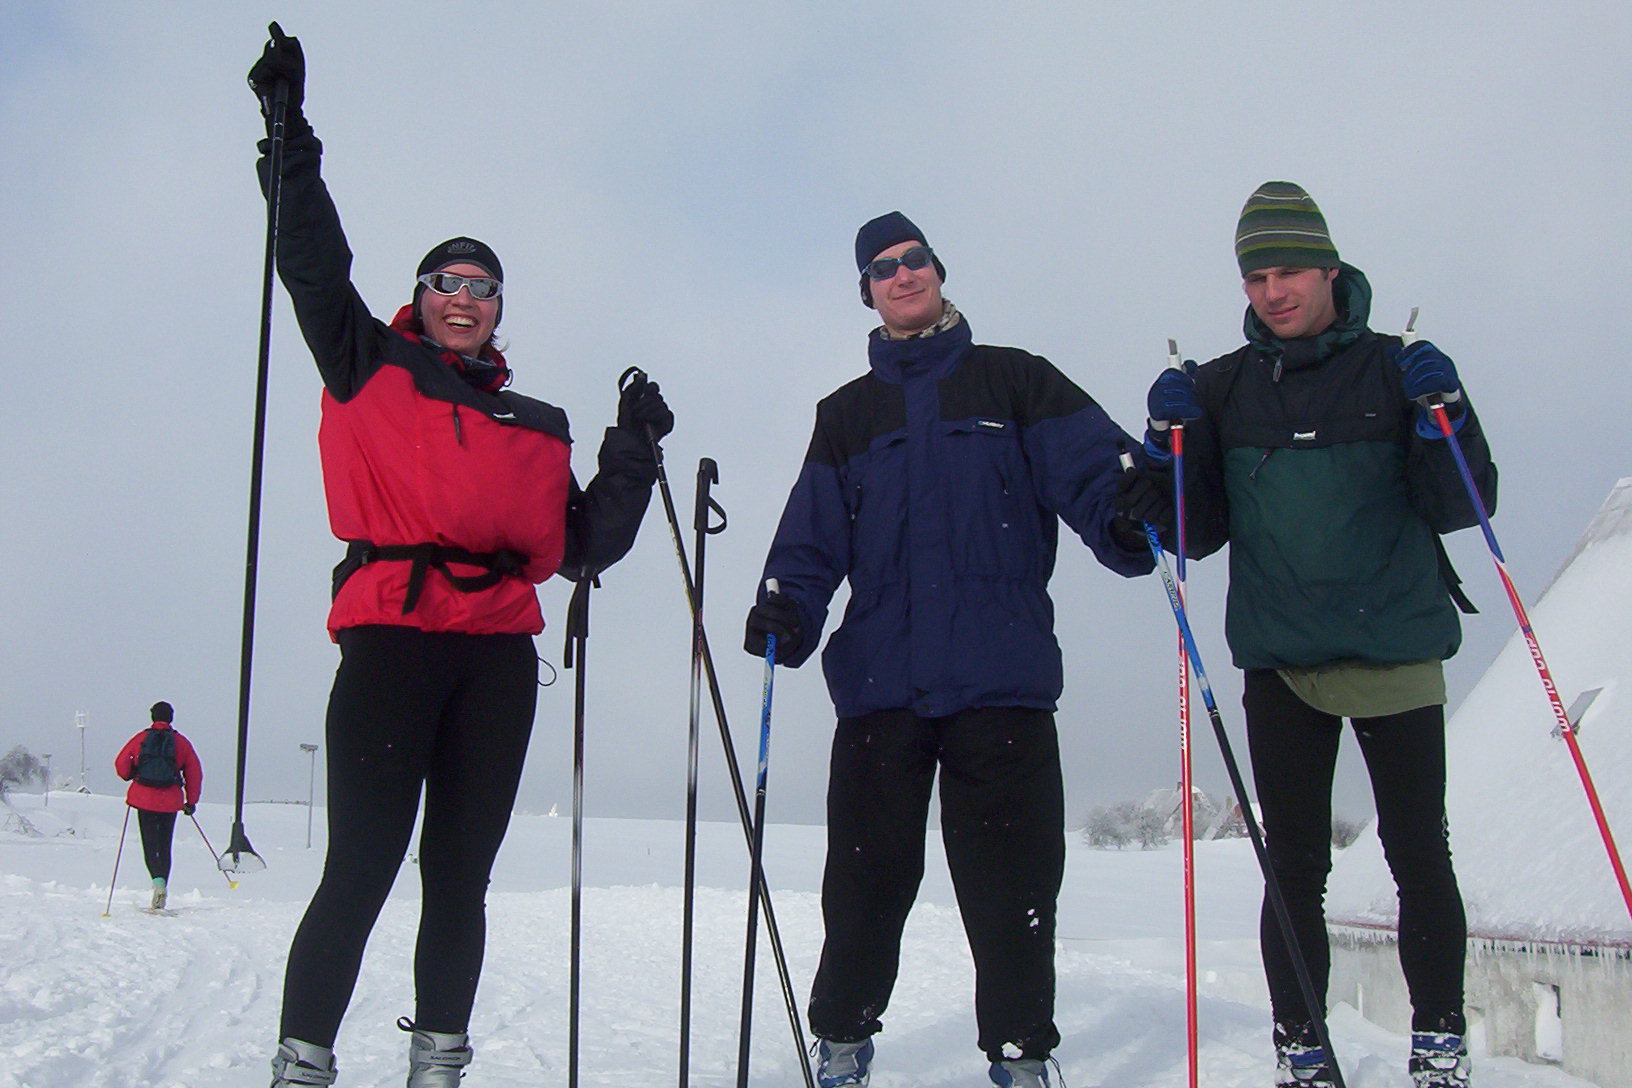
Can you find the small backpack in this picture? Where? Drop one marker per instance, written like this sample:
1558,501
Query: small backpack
156,759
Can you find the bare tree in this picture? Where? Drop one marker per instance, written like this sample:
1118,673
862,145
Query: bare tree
1107,826
19,767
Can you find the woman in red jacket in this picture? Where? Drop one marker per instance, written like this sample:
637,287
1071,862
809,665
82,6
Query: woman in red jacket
455,497
165,778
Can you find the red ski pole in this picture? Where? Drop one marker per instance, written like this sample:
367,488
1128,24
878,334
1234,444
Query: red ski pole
1187,806
1563,726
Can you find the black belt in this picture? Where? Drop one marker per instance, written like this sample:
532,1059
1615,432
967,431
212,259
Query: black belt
425,557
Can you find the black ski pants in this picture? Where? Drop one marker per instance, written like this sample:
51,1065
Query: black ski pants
158,829
1003,826
1294,754
447,713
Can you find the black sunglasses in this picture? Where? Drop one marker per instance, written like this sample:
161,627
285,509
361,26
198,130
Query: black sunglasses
885,267
481,288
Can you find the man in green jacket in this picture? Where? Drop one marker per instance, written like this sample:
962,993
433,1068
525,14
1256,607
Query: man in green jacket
1311,451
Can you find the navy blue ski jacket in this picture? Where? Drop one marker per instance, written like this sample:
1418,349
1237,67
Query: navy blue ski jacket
935,483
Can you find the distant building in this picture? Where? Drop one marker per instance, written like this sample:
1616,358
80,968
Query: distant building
1550,959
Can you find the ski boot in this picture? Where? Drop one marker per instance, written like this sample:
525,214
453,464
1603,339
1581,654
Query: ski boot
300,1064
1303,1067
436,1059
160,892
843,1064
1439,1060
1020,1073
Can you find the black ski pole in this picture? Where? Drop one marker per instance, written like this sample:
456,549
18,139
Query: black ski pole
1272,886
708,473
239,856
577,640
231,883
733,771
756,859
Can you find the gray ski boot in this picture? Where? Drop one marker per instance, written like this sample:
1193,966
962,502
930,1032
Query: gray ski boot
299,1064
1020,1073
436,1059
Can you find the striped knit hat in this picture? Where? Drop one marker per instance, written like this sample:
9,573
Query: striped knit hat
1281,227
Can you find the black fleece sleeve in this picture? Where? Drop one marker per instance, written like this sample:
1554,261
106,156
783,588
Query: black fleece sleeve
603,518
314,263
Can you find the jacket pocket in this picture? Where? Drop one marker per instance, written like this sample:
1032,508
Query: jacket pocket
994,522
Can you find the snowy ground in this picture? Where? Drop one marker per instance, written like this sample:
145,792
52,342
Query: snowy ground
94,1000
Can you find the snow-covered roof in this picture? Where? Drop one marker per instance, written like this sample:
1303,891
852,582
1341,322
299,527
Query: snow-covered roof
1529,857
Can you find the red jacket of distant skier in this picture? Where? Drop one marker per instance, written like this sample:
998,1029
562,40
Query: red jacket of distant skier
161,798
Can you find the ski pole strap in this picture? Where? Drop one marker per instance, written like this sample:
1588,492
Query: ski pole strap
424,557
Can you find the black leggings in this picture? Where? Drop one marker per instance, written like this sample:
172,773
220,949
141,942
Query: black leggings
447,712
158,828
1003,825
1294,754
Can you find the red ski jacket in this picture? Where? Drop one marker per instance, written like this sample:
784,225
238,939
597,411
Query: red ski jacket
424,469
161,798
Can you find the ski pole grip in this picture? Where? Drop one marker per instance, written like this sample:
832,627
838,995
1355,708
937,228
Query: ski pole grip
1410,335
708,473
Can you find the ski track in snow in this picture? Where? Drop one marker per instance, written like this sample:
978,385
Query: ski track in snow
191,1000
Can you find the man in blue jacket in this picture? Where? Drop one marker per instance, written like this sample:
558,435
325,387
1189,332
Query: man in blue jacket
935,483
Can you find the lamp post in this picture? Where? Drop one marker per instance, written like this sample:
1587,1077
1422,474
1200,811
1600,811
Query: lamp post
311,786
47,758
80,720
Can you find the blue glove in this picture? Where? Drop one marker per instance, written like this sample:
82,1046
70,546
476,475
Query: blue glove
1173,397
1427,374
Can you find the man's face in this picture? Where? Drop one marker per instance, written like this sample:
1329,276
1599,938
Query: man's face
1293,302
909,301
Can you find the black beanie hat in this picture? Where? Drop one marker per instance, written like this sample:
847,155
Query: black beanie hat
459,250
163,712
877,235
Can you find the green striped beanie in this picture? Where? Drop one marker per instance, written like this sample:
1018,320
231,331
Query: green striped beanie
1281,227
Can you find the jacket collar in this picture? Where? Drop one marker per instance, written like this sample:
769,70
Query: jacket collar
1351,291
489,374
933,357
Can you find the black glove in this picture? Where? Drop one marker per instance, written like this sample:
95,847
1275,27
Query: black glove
282,61
775,615
188,809
641,405
1140,500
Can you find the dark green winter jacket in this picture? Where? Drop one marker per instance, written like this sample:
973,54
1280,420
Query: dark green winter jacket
1309,464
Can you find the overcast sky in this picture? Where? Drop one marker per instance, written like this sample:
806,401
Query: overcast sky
677,186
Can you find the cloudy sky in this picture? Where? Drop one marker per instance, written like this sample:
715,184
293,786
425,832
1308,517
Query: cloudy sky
677,186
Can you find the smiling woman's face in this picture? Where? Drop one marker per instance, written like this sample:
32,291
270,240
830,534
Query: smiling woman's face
459,322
